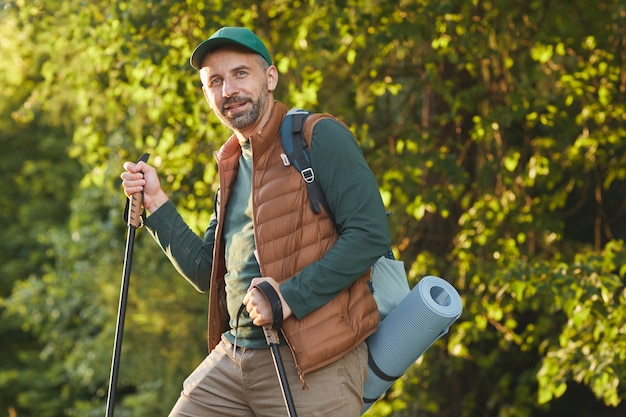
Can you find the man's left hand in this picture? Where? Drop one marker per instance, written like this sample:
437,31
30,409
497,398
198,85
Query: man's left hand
257,305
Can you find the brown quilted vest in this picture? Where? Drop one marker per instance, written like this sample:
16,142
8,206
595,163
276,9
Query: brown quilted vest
289,236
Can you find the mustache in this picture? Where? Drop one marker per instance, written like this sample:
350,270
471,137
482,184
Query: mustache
233,100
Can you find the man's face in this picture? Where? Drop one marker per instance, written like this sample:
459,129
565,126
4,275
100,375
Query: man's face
237,87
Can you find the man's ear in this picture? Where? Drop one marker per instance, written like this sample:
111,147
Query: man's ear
272,78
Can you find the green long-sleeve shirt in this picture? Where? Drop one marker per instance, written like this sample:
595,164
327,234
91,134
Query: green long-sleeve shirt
353,196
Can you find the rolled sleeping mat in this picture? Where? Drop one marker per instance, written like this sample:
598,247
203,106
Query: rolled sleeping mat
421,318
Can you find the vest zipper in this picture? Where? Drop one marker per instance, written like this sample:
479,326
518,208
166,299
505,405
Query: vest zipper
295,361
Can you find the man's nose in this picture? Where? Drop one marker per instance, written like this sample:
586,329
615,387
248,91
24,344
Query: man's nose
228,88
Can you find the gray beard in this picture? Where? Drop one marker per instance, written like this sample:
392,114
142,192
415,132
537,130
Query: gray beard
243,120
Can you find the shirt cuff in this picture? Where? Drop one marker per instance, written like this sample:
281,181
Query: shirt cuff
162,214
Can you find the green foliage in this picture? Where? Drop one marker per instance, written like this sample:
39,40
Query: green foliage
496,130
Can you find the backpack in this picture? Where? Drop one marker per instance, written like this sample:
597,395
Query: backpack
388,283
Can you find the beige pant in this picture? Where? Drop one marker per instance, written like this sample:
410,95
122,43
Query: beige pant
245,384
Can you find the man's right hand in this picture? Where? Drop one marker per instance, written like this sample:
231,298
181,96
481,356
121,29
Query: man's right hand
143,177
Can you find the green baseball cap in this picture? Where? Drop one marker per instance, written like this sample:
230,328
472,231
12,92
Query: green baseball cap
229,36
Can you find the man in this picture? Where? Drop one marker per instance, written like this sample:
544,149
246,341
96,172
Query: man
264,229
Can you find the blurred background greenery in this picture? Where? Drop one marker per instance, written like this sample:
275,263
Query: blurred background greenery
496,129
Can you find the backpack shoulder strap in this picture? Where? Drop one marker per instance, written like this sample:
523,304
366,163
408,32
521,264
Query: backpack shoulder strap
295,148
296,132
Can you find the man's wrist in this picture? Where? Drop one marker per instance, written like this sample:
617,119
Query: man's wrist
157,201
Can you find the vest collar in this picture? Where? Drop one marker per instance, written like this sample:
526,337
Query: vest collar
269,133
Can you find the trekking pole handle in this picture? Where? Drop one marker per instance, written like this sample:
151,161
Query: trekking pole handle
134,206
134,210
271,335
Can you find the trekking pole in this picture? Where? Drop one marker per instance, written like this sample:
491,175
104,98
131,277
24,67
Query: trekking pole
132,215
273,341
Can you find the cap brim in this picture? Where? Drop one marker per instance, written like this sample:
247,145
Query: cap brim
204,48
211,44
